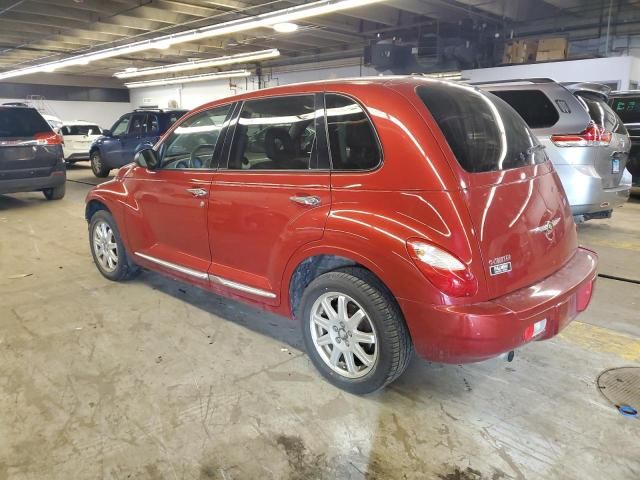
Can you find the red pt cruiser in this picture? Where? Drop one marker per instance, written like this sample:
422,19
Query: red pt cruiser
382,214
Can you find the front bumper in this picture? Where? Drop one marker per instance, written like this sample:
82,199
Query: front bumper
471,333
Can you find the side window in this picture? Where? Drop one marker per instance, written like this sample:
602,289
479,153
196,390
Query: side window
533,106
138,124
192,143
151,124
275,134
352,139
121,127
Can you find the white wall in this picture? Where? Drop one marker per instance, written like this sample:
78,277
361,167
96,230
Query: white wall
102,113
612,69
191,95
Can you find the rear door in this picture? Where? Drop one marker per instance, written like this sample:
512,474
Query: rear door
28,147
515,200
268,199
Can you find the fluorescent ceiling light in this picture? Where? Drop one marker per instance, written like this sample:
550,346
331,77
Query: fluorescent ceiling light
285,27
270,19
188,79
197,64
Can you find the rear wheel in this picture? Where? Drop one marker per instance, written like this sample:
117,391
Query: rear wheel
97,165
55,193
107,248
354,331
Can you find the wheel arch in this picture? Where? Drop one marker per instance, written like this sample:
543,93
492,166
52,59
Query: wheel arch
94,205
312,265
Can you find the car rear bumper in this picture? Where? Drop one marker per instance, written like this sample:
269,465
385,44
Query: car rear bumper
471,333
77,156
16,185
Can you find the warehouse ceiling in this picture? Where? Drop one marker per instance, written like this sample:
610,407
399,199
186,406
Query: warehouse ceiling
37,31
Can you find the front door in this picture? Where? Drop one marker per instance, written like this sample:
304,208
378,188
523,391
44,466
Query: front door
135,136
113,144
271,198
167,223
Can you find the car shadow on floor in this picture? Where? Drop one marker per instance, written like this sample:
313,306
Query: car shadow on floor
25,200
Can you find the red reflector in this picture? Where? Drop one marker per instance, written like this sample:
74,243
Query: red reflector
528,333
584,296
48,138
592,136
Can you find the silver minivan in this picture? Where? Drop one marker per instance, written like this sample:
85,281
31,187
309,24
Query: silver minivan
584,138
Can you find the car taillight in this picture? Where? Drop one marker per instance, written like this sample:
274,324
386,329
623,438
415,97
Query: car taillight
48,138
592,136
584,296
446,272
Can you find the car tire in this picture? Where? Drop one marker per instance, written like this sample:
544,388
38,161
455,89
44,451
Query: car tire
359,367
108,251
98,166
55,193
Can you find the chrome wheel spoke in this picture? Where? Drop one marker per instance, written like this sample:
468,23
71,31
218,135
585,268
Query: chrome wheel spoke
324,340
329,311
335,356
322,322
363,337
355,319
342,308
351,362
363,356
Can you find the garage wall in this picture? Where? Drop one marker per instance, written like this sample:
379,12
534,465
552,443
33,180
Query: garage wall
621,71
195,94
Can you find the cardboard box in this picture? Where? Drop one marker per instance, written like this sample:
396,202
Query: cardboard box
520,51
552,49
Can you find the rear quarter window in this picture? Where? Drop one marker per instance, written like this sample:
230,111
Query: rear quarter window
484,132
21,122
601,113
533,106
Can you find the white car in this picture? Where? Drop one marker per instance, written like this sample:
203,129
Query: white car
78,137
54,121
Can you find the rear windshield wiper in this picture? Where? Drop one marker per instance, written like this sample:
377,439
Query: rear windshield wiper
530,151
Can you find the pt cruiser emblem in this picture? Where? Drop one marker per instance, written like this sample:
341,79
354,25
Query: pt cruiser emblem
547,227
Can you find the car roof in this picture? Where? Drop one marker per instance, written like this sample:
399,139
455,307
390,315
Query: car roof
70,123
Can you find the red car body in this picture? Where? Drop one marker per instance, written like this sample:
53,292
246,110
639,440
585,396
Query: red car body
245,239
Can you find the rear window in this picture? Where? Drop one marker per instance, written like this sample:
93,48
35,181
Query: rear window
484,133
628,109
602,114
21,122
80,130
532,105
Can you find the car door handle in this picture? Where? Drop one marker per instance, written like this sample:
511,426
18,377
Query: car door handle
306,200
197,192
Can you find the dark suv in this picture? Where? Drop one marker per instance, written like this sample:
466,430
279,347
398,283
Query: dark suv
31,157
627,106
128,135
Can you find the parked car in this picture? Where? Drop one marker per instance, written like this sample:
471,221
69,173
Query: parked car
30,154
627,106
53,121
422,214
131,132
78,137
583,137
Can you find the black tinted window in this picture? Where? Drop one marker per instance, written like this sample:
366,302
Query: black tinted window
275,134
81,130
602,114
21,122
532,105
628,109
484,133
352,139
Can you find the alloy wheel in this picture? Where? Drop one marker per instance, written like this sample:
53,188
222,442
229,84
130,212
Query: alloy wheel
344,335
105,246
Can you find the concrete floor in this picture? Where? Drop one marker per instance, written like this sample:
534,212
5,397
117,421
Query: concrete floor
154,379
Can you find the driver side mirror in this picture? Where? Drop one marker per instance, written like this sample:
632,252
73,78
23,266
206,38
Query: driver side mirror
147,158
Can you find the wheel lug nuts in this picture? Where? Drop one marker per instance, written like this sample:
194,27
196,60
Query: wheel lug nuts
335,328
350,334
338,340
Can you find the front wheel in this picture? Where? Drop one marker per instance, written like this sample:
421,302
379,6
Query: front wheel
354,331
107,248
100,170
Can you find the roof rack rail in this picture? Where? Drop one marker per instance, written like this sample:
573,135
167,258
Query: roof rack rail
516,80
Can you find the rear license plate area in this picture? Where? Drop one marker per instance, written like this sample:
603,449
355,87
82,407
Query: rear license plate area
615,165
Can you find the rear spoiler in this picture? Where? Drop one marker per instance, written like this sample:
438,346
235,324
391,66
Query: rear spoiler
599,89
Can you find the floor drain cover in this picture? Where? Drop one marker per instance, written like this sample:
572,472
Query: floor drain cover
621,386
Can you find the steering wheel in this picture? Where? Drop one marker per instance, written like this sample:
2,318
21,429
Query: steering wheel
194,159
